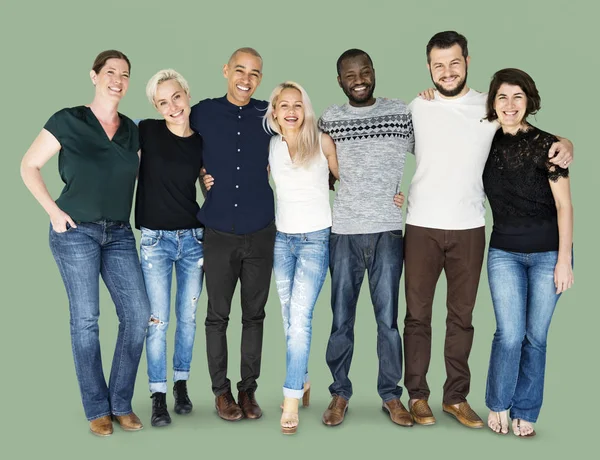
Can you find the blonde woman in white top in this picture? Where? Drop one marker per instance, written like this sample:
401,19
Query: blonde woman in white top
300,158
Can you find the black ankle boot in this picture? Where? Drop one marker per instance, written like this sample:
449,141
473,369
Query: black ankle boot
183,405
160,414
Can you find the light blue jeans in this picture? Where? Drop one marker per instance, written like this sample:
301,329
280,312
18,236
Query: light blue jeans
300,266
524,297
159,251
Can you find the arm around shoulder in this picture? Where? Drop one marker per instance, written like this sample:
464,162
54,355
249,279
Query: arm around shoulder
329,150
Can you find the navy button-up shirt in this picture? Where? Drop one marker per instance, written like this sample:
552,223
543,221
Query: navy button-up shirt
236,154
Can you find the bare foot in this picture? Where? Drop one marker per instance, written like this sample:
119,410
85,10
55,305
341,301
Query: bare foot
498,422
522,428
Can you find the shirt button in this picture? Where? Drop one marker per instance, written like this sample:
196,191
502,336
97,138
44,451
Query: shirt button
240,108
239,150
238,133
235,205
237,167
239,116
237,186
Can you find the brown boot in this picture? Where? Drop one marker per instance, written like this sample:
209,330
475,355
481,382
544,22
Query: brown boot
129,422
464,414
248,404
421,412
102,426
227,408
334,415
397,412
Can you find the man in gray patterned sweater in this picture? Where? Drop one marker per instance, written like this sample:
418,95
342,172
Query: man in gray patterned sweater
372,136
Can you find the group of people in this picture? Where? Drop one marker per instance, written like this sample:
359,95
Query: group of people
467,146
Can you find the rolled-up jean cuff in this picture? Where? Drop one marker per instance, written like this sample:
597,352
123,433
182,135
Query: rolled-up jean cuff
158,387
181,375
289,393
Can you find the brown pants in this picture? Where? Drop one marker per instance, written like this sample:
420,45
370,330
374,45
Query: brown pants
426,252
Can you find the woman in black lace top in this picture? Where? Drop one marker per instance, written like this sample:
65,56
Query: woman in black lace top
530,254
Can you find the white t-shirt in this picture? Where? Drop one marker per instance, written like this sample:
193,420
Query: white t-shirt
452,143
302,191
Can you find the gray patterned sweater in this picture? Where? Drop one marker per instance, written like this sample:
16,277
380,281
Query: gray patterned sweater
371,145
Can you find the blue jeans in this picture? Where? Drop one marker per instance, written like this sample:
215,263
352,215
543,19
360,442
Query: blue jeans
524,297
381,255
83,254
159,251
300,267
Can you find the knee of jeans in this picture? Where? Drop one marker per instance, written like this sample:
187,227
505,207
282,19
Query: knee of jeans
155,323
298,332
512,338
537,338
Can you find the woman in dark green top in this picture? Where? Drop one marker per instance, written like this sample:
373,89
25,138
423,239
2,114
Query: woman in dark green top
90,235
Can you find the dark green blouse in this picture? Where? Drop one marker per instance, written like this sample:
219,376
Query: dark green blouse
99,173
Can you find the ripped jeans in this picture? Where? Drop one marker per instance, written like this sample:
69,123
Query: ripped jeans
159,251
300,265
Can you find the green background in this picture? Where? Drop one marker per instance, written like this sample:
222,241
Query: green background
47,49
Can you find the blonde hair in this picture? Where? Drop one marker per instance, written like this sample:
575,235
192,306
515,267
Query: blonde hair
160,77
308,142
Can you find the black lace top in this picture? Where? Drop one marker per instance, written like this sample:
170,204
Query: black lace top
515,180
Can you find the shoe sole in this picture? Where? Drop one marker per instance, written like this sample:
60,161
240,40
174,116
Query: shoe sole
229,419
183,412
384,409
100,435
475,427
419,420
159,424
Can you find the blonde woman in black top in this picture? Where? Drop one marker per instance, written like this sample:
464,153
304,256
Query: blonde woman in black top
530,254
90,236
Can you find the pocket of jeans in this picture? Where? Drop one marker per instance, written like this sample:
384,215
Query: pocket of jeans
69,229
198,235
395,233
150,238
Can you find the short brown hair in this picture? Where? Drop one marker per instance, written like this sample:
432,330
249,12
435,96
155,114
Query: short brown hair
518,78
104,56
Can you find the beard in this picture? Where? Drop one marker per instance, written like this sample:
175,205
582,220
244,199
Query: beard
368,95
452,92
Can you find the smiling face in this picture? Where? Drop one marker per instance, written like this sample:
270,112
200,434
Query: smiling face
357,80
289,110
243,73
510,105
448,70
112,80
172,102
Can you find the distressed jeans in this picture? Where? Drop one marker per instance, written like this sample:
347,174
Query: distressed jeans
300,265
160,250
524,298
83,254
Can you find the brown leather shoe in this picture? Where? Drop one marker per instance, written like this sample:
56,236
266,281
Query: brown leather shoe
227,408
129,422
248,404
464,414
421,412
334,415
102,426
397,412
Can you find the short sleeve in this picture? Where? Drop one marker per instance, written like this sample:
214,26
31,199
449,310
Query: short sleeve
553,172
321,125
55,124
